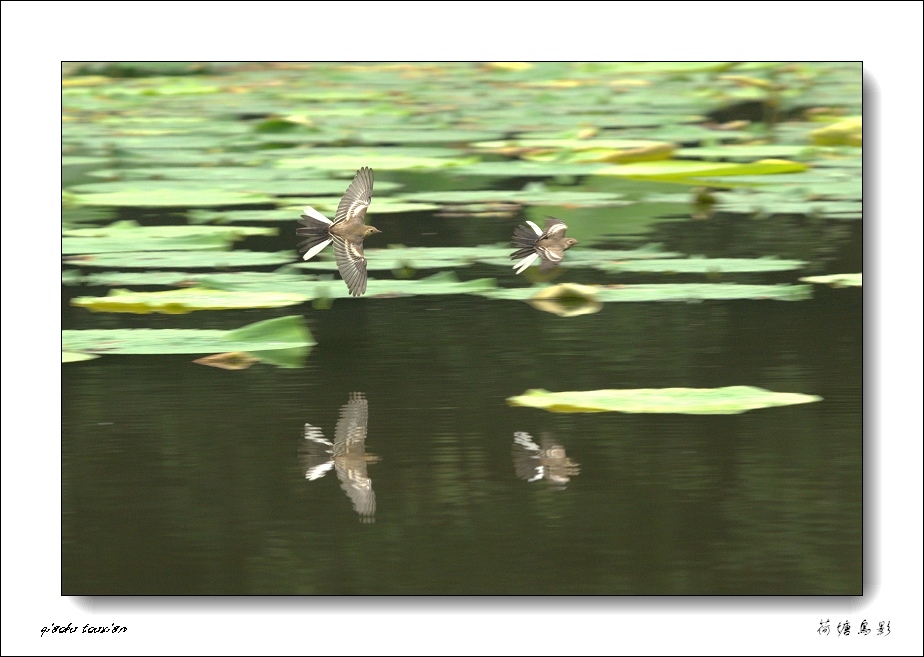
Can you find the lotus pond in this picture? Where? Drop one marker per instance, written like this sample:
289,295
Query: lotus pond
676,409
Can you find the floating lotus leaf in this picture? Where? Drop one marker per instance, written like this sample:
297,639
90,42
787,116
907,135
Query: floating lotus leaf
75,245
291,213
836,280
211,279
581,150
567,300
380,205
848,132
696,265
422,136
169,197
696,401
187,189
378,162
131,229
441,283
538,196
183,259
521,169
75,356
282,333
222,174
651,152
418,257
579,258
674,169
178,302
746,152
673,292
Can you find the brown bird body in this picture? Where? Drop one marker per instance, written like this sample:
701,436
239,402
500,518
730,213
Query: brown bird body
549,244
347,232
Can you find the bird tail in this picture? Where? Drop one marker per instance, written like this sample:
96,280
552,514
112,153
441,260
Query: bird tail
316,233
524,238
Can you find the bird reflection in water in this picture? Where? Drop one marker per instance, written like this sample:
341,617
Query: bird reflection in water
547,460
347,455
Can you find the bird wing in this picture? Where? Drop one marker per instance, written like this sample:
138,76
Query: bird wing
525,454
358,487
315,453
550,257
554,226
356,198
352,425
351,262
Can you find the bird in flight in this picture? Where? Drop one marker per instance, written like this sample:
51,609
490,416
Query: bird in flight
547,460
549,244
347,231
347,455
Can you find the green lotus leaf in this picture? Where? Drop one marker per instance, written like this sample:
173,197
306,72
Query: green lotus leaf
746,152
187,189
533,196
420,136
378,162
441,283
332,287
131,229
75,245
672,292
221,174
272,334
567,300
698,265
211,279
290,213
836,280
522,168
380,205
183,259
678,169
578,258
848,132
76,356
177,302
696,401
419,257
170,197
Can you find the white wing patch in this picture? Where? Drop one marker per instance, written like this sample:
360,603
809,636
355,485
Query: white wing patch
549,254
534,227
525,262
316,249
318,471
557,228
314,214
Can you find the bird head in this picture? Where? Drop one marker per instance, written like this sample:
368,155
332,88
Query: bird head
371,230
569,242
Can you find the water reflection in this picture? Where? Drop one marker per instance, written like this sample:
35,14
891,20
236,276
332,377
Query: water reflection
347,455
547,460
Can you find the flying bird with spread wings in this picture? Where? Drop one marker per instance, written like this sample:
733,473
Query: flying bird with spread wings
547,460
347,232
347,455
549,244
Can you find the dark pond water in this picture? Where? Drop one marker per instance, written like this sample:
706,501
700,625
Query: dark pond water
184,479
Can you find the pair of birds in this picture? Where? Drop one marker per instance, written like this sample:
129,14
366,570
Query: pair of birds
348,230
